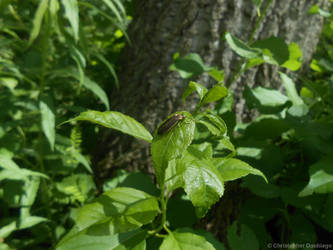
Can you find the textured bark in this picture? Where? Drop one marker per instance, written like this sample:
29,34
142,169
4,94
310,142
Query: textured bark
149,91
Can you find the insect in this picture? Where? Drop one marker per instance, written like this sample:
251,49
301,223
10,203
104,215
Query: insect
170,123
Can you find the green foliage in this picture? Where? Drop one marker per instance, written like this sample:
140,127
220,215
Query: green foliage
55,61
179,162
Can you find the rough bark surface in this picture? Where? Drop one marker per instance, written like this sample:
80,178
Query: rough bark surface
149,91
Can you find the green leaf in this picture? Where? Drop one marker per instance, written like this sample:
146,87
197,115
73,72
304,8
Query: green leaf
37,22
316,10
201,151
12,171
174,175
202,183
115,10
79,59
299,108
72,15
321,178
275,50
47,122
77,187
110,67
269,97
214,94
117,121
214,130
261,188
28,197
291,91
185,241
193,86
97,90
232,169
101,240
302,231
218,75
244,240
112,219
295,55
82,159
225,144
31,221
171,145
190,65
241,48
218,122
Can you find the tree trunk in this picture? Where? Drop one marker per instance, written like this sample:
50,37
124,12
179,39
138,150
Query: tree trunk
149,91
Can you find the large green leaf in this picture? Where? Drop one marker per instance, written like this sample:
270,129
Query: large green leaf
72,14
232,169
48,122
117,121
269,97
275,50
172,144
118,211
101,240
321,178
202,183
37,22
185,241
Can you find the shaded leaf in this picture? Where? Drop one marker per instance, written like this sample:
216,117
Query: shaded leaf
190,65
245,240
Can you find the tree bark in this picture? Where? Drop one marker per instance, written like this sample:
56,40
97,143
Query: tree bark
149,91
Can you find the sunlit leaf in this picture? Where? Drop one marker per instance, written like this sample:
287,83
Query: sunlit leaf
72,14
232,169
193,86
48,122
202,183
37,22
321,178
172,144
241,48
117,121
185,241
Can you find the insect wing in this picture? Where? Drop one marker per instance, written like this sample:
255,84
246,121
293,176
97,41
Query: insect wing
170,123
